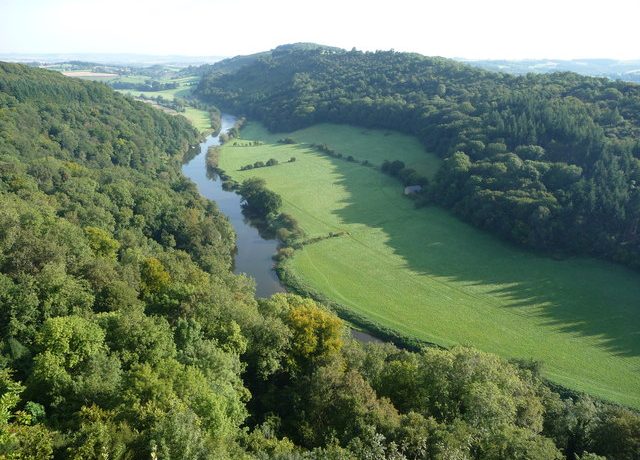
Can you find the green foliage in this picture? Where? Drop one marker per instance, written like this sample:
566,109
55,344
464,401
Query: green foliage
616,434
316,334
258,198
154,276
119,312
101,242
72,364
179,435
513,129
20,435
100,436
136,338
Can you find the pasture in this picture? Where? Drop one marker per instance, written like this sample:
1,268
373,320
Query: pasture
198,118
425,274
98,76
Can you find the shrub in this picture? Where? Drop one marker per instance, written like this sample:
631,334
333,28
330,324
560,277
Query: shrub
284,253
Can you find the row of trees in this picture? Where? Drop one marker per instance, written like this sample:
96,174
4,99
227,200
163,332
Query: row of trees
148,85
260,164
548,161
408,176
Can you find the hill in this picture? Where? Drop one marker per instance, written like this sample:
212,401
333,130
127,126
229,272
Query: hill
549,162
233,64
608,68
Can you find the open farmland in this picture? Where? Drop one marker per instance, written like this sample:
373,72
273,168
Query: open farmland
91,75
425,274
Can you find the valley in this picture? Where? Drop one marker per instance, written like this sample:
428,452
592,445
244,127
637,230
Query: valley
380,255
427,275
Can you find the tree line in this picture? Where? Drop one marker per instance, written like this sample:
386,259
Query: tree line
147,85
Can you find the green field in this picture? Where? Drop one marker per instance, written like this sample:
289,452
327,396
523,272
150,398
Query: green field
167,94
199,118
426,274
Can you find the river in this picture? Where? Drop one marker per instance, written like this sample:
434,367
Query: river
253,252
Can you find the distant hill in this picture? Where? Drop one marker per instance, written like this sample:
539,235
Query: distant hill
121,59
609,68
231,65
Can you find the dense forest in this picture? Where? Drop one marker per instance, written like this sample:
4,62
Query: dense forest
550,161
125,335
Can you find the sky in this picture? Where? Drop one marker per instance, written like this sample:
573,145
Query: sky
471,29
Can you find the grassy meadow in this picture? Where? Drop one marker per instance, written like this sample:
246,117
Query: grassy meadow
183,89
425,274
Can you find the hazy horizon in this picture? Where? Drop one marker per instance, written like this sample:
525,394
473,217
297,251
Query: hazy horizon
215,57
495,30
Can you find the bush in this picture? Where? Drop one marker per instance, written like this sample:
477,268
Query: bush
392,168
258,198
284,253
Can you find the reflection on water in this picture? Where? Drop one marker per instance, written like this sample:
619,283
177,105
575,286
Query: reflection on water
254,253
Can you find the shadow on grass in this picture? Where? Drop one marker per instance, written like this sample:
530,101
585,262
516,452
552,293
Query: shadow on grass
587,297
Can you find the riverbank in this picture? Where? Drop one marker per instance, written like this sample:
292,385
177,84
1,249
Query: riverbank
253,253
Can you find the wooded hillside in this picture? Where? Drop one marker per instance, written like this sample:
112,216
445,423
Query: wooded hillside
547,161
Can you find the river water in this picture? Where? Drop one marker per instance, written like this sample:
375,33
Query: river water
254,253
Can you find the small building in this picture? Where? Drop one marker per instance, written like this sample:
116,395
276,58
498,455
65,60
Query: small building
411,189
